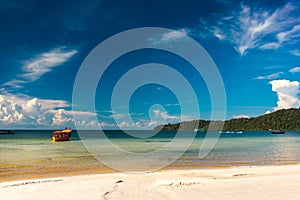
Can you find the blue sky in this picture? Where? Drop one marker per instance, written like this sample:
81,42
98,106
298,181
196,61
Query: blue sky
255,45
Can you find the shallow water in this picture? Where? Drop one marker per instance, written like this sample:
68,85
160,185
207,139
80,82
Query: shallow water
28,154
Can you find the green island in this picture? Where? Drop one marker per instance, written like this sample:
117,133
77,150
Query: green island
286,119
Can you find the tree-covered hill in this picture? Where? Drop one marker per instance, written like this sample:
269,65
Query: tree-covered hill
286,119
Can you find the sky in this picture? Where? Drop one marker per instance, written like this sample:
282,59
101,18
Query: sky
254,44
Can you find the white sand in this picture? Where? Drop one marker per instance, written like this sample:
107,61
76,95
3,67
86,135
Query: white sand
259,182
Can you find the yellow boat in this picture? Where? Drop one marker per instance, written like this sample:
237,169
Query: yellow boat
63,135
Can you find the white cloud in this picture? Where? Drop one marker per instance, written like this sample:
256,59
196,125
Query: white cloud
14,83
142,124
151,124
240,116
164,115
287,92
283,37
174,35
268,112
272,67
295,70
169,37
256,28
271,45
65,117
118,116
271,76
60,118
106,125
218,34
125,124
159,117
18,111
10,111
295,52
43,63
28,112
72,112
172,104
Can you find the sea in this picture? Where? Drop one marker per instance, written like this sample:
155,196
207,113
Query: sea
32,154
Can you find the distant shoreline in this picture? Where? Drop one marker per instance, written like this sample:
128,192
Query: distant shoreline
285,119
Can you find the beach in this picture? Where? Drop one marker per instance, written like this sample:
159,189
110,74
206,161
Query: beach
244,182
251,165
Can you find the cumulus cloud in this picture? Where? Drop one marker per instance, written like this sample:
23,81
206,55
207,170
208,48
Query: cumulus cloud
17,111
34,68
141,124
60,118
10,111
125,121
240,116
126,124
29,112
257,28
287,92
295,70
164,115
105,124
268,112
269,77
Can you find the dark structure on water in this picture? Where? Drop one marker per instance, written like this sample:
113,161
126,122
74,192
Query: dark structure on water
7,131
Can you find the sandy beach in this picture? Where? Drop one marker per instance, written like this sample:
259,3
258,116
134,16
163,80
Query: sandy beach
247,182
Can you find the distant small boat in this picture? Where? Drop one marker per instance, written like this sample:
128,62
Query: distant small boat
277,132
63,135
229,132
7,131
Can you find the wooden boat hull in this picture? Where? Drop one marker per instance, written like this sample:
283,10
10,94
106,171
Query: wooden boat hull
57,138
63,135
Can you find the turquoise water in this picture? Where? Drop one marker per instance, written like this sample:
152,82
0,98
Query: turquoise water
26,152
